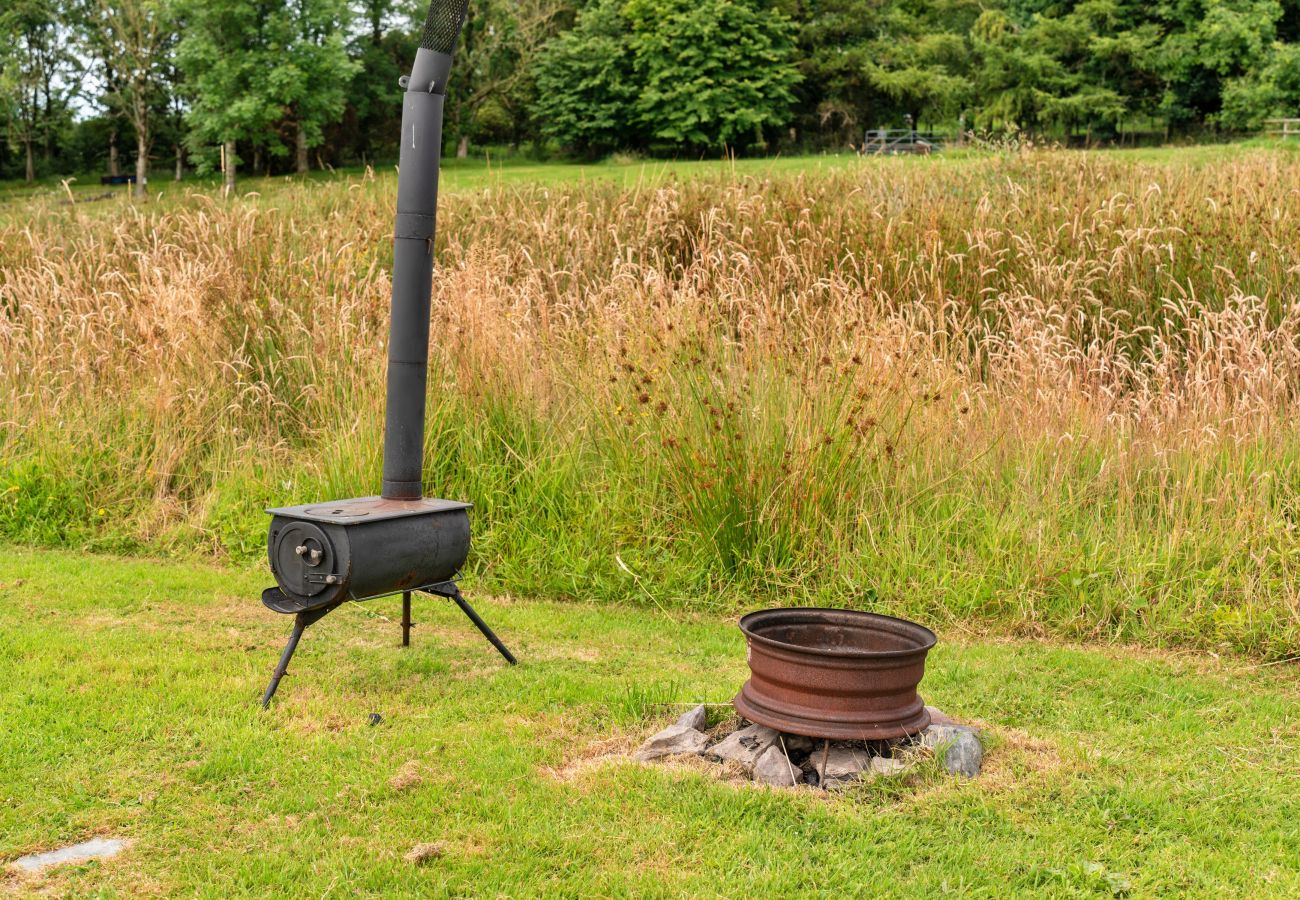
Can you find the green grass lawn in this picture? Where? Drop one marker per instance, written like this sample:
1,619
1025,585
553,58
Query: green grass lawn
129,687
484,169
456,174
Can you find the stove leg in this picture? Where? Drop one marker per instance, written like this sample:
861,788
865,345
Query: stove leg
406,618
451,590
300,624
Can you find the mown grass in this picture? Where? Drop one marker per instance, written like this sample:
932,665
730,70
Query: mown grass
1051,393
129,691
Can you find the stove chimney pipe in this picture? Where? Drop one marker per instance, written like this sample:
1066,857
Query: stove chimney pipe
417,208
364,548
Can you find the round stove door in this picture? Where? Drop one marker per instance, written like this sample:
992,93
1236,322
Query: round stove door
304,558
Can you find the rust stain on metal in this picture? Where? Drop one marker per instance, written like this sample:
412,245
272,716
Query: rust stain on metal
834,673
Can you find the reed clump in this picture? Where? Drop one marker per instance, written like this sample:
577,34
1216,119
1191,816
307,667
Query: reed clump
1049,393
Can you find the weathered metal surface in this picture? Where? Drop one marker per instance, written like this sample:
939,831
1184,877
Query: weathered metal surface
413,238
365,556
301,622
406,618
451,590
834,673
372,509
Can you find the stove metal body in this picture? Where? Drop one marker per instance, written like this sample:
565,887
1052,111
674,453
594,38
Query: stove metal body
325,554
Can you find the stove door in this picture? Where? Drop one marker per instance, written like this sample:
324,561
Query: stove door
303,558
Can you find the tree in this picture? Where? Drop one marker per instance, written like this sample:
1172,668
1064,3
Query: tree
251,66
498,45
1270,90
670,72
923,58
711,73
585,83
381,52
1207,44
835,57
314,72
133,40
32,58
1087,65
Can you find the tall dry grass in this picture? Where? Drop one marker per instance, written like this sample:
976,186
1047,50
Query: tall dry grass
1053,392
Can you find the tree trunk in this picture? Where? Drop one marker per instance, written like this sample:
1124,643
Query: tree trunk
31,161
141,164
180,162
257,160
303,165
114,168
228,166
462,147
49,114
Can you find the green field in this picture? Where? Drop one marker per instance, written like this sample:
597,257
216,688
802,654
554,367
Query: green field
1034,392
129,689
1042,401
489,170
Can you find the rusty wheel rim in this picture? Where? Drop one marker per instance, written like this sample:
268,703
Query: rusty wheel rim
833,673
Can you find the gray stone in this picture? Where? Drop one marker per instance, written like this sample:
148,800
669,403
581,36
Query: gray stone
887,765
746,745
774,768
843,762
957,746
95,848
696,718
673,740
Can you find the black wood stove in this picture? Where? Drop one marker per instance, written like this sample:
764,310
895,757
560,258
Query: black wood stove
325,554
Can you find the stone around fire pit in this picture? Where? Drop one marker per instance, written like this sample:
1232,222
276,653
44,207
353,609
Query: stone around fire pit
696,718
958,746
774,767
888,765
844,762
746,745
786,760
672,740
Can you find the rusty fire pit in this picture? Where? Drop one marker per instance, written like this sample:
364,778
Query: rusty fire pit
834,673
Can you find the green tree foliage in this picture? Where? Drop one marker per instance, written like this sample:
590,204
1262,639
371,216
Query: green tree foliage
835,54
586,84
369,125
273,79
1208,44
923,57
672,73
312,78
132,41
498,44
1089,66
256,69
710,72
33,96
1272,89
